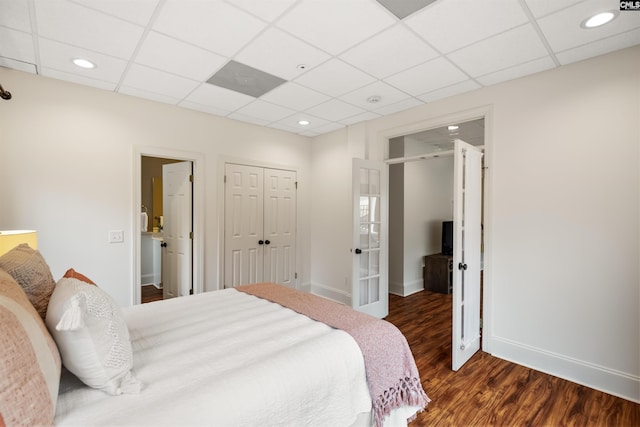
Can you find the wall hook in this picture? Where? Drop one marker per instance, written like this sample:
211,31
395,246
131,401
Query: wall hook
4,94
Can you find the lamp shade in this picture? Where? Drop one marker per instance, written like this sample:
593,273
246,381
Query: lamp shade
11,238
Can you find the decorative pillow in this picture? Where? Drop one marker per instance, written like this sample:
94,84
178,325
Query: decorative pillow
92,336
29,360
71,273
30,270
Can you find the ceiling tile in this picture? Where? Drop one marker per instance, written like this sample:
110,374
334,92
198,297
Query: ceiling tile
17,45
387,95
455,89
59,56
278,53
389,52
563,31
293,95
219,98
452,24
521,70
368,115
268,10
335,110
292,122
329,127
245,79
136,11
500,52
248,119
335,78
212,25
427,77
335,25
74,78
70,23
544,7
15,14
600,47
168,54
203,108
148,79
128,90
17,65
398,106
265,111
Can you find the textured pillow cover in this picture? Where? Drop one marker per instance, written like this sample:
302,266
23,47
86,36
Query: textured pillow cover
29,361
92,336
30,270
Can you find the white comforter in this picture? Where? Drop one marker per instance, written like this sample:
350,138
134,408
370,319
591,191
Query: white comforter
226,358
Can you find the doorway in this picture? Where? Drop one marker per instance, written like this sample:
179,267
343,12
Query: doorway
428,192
149,221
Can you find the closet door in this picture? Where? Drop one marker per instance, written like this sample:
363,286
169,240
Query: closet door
279,226
260,225
244,193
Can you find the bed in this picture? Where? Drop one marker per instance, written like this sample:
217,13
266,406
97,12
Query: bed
234,357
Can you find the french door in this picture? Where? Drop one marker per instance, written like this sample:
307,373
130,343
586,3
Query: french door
260,225
370,288
467,235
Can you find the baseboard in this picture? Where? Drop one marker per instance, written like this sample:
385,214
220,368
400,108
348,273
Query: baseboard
333,294
406,289
607,380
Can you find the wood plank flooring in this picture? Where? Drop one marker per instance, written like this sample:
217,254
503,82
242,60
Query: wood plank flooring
488,391
150,293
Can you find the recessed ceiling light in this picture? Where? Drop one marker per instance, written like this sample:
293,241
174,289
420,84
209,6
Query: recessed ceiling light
599,19
452,127
303,122
84,63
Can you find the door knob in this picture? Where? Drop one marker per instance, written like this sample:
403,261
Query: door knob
163,244
462,266
358,251
260,242
267,242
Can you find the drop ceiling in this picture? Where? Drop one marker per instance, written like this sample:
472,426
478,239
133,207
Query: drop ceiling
334,62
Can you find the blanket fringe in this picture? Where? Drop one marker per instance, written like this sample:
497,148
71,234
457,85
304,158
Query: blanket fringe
408,391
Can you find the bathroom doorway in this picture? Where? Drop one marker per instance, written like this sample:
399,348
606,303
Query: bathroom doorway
152,227
152,222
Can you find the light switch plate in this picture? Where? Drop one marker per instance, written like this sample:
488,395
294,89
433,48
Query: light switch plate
116,236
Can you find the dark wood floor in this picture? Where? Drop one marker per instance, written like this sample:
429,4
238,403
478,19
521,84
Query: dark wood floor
488,391
150,293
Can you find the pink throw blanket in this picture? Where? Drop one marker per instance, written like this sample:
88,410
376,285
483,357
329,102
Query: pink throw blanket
391,370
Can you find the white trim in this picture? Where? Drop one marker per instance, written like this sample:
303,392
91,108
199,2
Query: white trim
588,374
337,295
407,288
198,212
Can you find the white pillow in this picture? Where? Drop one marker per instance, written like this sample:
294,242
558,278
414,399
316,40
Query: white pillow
92,336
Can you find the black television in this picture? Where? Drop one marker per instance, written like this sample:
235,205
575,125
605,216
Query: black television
447,237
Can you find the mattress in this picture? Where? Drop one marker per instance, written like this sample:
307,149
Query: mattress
226,358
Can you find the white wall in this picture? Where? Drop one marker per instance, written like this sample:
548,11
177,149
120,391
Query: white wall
66,169
562,215
428,200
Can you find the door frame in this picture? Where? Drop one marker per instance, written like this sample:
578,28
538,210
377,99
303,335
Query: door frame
483,112
197,159
220,226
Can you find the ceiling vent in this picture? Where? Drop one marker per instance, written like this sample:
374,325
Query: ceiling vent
244,79
404,8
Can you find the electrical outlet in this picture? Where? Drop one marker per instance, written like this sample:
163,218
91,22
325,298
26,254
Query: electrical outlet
116,236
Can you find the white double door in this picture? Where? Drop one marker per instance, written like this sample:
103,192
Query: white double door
260,225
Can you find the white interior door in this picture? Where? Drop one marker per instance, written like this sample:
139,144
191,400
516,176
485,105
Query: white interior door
177,199
279,226
244,221
260,225
467,234
369,283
